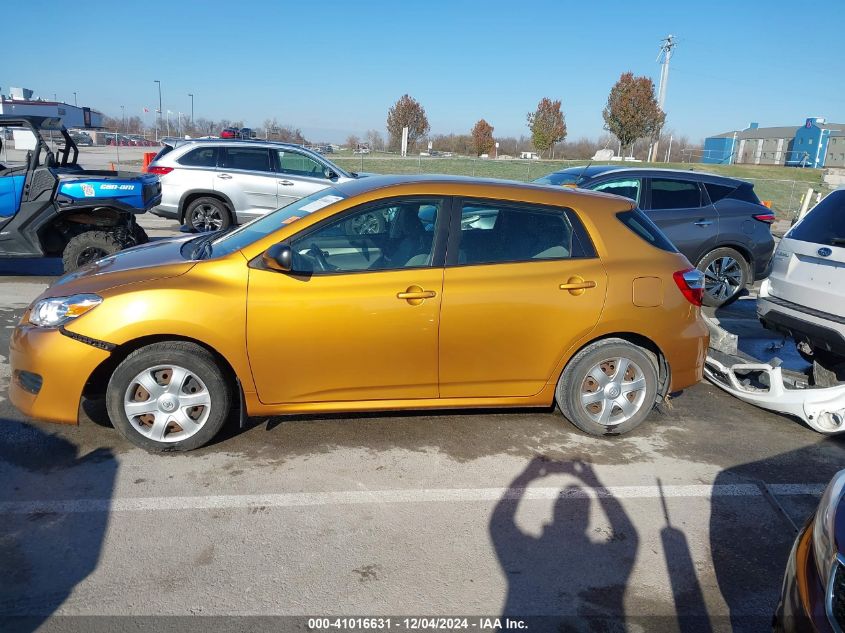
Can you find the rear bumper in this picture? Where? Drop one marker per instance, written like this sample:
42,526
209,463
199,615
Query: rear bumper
818,329
685,354
59,363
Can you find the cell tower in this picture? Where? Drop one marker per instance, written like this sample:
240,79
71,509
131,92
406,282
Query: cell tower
665,52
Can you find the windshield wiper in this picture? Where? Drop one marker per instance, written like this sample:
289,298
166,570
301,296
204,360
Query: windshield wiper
838,240
202,245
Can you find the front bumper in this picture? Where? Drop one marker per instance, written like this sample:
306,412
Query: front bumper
63,365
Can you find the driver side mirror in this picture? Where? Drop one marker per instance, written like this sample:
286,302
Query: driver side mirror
329,173
278,257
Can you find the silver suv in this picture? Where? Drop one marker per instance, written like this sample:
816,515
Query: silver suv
210,184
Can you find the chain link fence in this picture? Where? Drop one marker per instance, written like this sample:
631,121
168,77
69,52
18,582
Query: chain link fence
785,196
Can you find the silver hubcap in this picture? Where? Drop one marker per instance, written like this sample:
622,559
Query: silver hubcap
207,218
722,278
167,403
613,391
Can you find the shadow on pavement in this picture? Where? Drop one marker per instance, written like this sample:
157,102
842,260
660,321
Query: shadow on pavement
565,575
749,569
43,554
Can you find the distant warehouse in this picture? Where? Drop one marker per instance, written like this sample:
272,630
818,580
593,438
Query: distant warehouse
814,144
21,103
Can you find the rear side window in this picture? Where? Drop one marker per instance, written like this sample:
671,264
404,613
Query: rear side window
640,224
674,194
247,158
718,192
745,193
498,233
825,224
200,157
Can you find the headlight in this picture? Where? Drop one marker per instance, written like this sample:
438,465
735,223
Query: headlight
824,526
59,310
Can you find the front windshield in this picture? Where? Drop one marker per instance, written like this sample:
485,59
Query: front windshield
263,226
561,178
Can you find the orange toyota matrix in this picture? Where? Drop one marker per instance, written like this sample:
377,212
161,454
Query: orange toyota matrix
381,293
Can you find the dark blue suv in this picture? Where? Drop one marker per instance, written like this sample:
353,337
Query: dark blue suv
717,222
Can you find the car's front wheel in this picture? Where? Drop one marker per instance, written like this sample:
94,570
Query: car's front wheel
169,396
608,388
726,273
207,214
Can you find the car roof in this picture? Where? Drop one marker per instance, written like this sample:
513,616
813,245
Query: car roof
477,187
592,171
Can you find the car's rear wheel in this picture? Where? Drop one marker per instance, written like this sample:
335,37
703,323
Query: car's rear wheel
726,273
608,388
170,396
207,214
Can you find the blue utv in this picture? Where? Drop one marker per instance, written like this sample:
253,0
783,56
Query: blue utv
52,207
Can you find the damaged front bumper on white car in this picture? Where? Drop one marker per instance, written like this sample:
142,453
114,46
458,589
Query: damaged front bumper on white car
765,385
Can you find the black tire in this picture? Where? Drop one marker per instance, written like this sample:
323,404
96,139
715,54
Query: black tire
725,281
577,381
199,362
139,234
90,246
207,214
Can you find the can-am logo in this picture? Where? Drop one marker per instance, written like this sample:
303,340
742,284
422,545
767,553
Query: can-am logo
824,251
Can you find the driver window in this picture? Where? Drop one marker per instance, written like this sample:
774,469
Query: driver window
390,236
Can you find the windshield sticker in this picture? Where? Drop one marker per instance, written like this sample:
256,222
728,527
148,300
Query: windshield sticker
320,203
292,218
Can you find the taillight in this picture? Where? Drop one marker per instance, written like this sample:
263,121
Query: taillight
768,218
161,171
691,284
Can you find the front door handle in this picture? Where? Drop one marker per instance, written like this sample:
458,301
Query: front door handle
415,295
576,285
286,183
703,223
224,176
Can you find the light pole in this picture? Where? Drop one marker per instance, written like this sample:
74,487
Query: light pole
74,100
123,119
191,95
158,123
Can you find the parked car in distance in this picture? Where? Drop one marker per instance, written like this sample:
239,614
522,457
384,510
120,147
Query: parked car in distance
717,222
469,293
212,184
813,595
81,138
804,297
230,132
247,133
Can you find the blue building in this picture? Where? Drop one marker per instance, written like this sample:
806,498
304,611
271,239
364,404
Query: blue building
814,144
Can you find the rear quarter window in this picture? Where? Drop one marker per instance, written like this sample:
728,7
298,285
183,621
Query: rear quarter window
824,224
639,224
200,157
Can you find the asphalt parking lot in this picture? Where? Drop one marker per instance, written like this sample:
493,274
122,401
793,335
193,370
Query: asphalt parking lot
685,524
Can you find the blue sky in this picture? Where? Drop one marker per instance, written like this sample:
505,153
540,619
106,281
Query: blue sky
332,68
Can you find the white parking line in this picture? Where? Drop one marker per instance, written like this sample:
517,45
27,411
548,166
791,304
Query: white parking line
357,497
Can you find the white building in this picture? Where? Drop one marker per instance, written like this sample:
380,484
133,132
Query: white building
72,116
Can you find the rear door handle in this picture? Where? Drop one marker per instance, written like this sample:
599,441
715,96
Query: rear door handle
422,294
286,183
577,285
415,295
224,176
703,223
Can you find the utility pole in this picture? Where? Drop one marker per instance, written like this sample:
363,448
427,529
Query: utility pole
665,52
191,95
74,99
158,122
